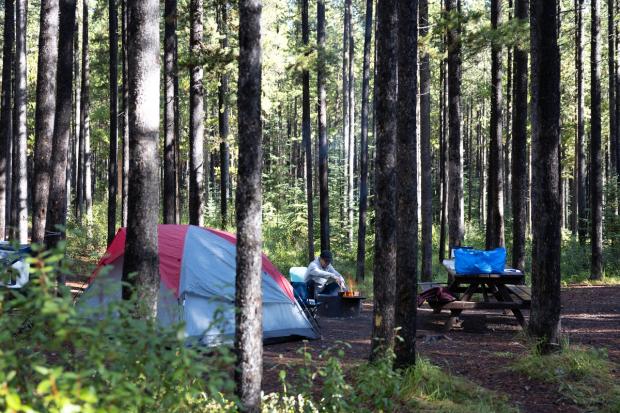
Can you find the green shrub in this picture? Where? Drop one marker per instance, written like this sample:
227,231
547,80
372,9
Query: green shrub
54,359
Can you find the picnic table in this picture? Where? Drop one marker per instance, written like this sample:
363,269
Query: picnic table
501,291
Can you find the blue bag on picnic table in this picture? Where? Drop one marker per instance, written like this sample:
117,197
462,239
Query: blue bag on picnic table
471,261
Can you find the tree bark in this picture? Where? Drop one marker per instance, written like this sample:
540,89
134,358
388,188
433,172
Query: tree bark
57,204
346,119
519,145
611,89
596,177
196,115
455,144
363,200
305,128
20,131
545,315
86,205
223,121
44,118
443,159
125,92
407,184
385,208
425,149
141,264
6,118
582,225
170,74
322,119
113,157
248,295
495,203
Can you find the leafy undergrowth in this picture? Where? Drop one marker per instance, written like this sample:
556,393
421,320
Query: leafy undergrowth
56,357
583,375
376,387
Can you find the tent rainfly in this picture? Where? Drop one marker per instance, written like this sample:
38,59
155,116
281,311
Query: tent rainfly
197,267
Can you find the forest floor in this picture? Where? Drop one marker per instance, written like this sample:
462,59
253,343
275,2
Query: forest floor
480,351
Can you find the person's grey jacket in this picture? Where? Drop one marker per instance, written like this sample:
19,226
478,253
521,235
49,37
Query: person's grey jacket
321,276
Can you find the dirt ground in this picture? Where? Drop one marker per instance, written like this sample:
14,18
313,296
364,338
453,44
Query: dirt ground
477,350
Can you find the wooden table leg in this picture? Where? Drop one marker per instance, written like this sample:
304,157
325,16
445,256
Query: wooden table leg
504,293
454,314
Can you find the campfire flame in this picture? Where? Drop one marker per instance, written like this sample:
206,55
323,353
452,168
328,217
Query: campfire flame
352,290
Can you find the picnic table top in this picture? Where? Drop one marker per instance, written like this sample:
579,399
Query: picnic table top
508,272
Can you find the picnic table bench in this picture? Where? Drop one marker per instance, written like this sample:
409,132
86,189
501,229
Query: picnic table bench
502,291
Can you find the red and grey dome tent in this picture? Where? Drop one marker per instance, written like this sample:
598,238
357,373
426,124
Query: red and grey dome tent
197,267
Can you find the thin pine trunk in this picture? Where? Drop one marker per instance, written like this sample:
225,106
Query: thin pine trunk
455,143
44,118
545,314
113,84
20,130
305,130
385,180
125,117
582,226
495,203
170,73
596,177
85,122
407,184
141,264
57,206
224,121
363,195
248,295
519,146
196,125
322,127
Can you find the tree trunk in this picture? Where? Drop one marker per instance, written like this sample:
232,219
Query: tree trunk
44,118
248,295
361,233
519,146
141,264
582,226
455,144
346,119
57,204
322,118
223,121
305,129
385,164
20,131
170,74
596,177
125,92
495,203
545,315
611,89
86,204
443,159
425,149
196,115
6,119
113,157
351,159
407,184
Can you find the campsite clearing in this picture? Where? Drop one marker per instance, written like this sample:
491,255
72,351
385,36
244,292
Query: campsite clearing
482,351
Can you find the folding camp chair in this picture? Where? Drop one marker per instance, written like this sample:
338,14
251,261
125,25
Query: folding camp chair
305,296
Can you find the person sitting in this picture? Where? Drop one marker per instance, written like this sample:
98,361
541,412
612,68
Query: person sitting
322,277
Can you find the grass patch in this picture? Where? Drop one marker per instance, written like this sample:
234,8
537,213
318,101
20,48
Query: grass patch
429,388
583,375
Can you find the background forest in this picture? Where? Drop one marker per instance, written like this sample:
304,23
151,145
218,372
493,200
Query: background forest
285,58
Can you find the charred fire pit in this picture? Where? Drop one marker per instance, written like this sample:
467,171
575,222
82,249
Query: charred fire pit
344,305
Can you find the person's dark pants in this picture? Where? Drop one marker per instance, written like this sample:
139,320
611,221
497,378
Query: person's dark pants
330,289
